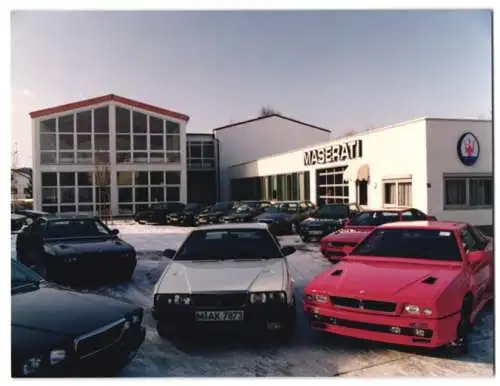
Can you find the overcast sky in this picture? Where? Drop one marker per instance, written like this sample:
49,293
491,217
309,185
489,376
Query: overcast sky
336,69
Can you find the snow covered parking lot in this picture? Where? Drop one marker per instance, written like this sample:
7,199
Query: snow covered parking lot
307,354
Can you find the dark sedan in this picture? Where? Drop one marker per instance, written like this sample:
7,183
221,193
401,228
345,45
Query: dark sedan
284,217
187,216
158,213
57,332
75,249
326,219
246,211
216,212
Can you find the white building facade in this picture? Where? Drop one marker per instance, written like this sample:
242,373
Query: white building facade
107,155
256,138
440,166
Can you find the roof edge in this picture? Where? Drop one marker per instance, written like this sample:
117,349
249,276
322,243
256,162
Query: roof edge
269,116
107,98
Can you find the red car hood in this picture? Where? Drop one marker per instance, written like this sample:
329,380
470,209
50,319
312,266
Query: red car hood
346,236
387,280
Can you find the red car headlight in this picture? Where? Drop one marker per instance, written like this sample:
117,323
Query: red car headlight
416,310
316,298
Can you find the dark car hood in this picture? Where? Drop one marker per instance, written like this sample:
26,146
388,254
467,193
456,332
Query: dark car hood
28,342
273,216
91,245
61,311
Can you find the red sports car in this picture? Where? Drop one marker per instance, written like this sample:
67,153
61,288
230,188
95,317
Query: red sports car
340,243
412,283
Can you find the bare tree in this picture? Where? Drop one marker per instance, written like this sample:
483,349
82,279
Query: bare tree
266,111
102,182
13,177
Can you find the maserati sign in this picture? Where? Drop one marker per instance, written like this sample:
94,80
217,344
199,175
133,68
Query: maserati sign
334,153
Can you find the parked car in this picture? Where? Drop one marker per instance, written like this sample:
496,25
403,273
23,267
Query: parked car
186,216
30,214
341,242
75,248
17,221
284,217
216,212
246,211
326,219
230,275
158,213
410,283
58,332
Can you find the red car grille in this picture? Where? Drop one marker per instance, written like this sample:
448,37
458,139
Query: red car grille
371,305
339,244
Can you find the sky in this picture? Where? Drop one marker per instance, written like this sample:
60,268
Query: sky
341,70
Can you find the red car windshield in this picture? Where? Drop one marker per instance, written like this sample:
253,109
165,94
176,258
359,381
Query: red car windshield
374,218
428,244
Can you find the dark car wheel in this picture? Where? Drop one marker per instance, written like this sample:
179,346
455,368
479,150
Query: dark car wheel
305,238
461,345
288,330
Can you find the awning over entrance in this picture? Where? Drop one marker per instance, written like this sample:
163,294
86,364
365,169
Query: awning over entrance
356,172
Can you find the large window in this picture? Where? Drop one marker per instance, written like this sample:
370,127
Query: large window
138,190
200,155
142,138
468,192
75,138
331,187
397,193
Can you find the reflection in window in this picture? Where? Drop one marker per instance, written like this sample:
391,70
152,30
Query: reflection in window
157,194
68,195
173,143
66,142
173,157
49,179
84,158
124,178
140,142
140,157
156,142
172,127
141,195
84,142
66,124
84,122
49,195
101,142
66,157
123,157
67,179
173,193
156,178
155,125
48,158
123,142
157,157
102,158
173,178
125,195
48,126
85,179
101,120
141,178
122,120
139,122
47,142
85,195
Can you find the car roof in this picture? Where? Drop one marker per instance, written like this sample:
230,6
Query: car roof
59,217
223,227
396,210
435,225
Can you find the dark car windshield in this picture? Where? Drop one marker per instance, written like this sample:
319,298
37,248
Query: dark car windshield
332,211
76,228
410,243
221,206
375,218
21,275
228,245
283,207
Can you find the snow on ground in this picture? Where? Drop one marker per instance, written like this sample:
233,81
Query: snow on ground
307,354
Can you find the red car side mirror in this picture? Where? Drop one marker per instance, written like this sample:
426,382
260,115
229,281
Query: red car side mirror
475,257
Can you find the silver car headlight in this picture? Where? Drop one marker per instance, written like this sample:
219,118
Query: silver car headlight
57,356
176,299
32,365
273,297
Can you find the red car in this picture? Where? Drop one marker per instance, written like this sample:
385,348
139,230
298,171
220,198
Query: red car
412,283
340,243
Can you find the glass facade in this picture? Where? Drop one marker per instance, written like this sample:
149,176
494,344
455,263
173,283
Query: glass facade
137,190
331,187
292,186
201,154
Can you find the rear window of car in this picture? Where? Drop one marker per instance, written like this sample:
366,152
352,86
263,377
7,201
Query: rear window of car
229,244
375,218
427,244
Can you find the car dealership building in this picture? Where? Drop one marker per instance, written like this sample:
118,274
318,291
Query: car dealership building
123,155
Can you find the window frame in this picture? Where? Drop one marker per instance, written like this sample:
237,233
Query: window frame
397,182
467,178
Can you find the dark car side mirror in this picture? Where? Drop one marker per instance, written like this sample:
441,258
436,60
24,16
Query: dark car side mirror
114,232
475,257
169,253
287,250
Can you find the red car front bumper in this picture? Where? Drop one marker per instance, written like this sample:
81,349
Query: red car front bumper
432,333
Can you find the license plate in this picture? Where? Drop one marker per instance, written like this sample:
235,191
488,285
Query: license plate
219,316
316,233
